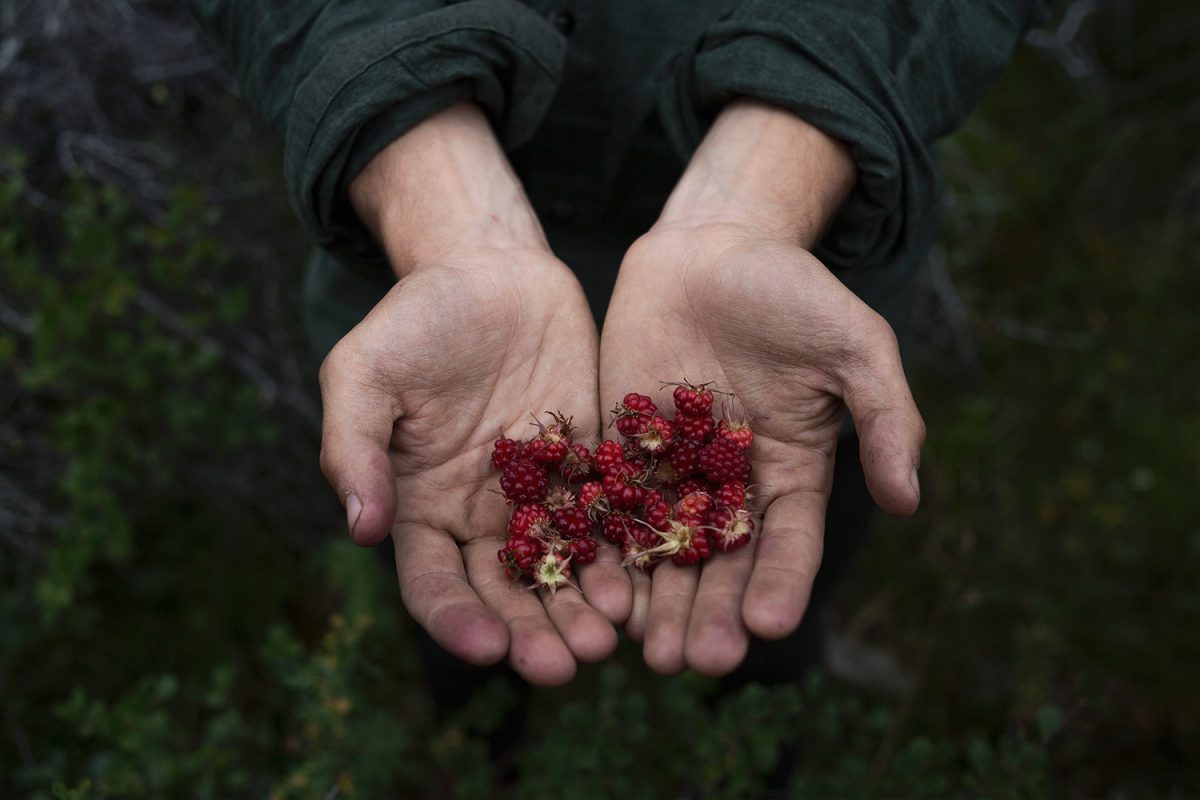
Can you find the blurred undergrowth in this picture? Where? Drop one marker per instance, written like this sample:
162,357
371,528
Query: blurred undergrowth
181,618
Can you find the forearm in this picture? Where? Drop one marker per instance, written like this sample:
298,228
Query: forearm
444,182
762,166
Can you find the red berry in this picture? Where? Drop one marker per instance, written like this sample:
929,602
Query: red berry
686,542
524,482
697,427
642,532
505,450
631,413
621,494
552,442
658,514
608,456
634,455
617,527
694,504
730,527
577,463
697,549
525,551
732,493
657,436
690,486
572,523
520,554
685,459
591,498
695,400
626,470
530,518
545,452
582,551
723,461
736,431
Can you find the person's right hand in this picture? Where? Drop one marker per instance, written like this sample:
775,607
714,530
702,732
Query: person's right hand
484,328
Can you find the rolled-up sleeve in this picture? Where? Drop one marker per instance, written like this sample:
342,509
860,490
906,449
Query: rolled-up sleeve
338,81
888,78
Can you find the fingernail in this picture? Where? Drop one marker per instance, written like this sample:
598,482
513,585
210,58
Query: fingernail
916,482
354,509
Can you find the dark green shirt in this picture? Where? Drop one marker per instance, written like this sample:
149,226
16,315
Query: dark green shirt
600,102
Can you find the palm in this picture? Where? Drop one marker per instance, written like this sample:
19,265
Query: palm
767,322
493,357
455,356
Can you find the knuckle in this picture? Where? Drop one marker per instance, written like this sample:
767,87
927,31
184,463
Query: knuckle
921,429
883,343
328,467
331,366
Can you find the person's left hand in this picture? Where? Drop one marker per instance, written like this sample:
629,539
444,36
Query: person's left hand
714,294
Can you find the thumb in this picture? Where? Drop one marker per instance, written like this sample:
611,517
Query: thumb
356,430
890,427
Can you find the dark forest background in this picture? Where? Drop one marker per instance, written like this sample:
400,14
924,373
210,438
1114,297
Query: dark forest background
182,615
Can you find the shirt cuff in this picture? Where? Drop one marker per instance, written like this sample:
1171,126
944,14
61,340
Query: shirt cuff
828,79
369,91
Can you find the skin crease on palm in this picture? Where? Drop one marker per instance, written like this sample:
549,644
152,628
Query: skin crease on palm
766,321
446,361
487,327
724,289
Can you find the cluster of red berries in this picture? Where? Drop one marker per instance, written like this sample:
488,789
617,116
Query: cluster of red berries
672,487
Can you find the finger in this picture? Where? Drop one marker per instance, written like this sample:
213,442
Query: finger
606,584
889,426
672,591
786,560
640,584
434,588
717,638
589,636
536,650
356,430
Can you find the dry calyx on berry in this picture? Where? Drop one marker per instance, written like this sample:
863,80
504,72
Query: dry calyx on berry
674,487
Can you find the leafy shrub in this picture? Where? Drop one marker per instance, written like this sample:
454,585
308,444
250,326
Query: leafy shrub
183,618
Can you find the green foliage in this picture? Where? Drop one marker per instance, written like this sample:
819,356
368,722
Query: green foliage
131,627
1058,537
103,349
139,750
181,628
673,738
349,705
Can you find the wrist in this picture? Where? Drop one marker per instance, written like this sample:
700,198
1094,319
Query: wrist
764,168
443,186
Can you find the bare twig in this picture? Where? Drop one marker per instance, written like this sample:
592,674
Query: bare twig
1080,65
15,320
22,515
269,389
1041,336
955,313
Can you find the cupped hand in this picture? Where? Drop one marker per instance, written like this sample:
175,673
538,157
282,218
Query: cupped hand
456,353
759,317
